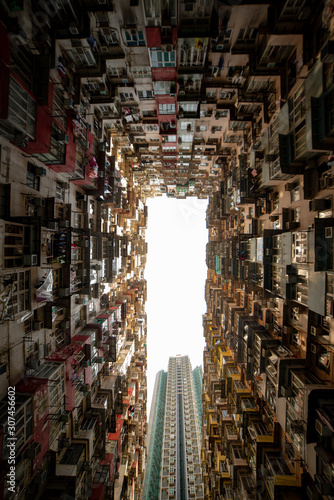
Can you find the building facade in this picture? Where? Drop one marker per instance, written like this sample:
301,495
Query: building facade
102,105
268,380
174,437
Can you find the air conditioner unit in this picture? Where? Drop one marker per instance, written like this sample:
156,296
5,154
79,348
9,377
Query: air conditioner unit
313,348
297,427
47,350
310,494
30,260
40,171
38,325
68,103
322,486
54,225
316,330
65,417
63,292
287,330
286,391
38,202
327,53
32,451
73,29
33,364
329,232
322,429
318,205
61,137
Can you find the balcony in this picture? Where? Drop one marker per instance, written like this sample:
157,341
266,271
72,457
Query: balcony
71,462
277,475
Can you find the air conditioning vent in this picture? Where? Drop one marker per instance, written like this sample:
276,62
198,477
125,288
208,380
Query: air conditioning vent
74,30
30,260
64,223
322,429
297,427
47,350
65,417
38,202
286,391
316,330
329,232
32,451
313,348
38,325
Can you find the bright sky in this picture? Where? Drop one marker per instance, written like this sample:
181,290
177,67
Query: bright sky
175,272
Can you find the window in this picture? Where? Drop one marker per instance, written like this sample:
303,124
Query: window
160,59
93,247
188,107
109,36
77,220
167,109
141,71
134,38
32,180
126,96
22,109
20,294
145,94
116,72
151,113
246,34
169,149
295,194
163,87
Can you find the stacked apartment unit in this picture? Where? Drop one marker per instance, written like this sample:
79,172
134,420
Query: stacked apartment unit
268,361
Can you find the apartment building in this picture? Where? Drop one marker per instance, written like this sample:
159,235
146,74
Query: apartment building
174,436
268,384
